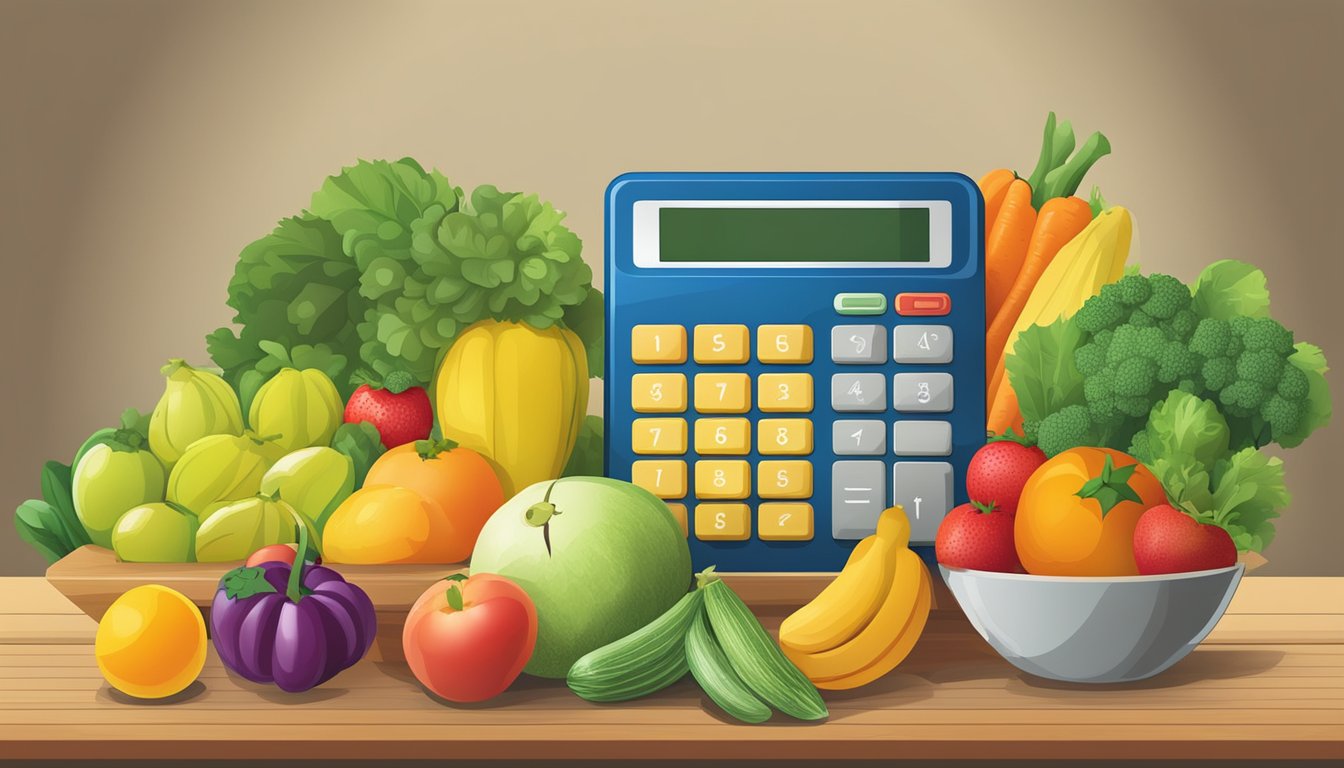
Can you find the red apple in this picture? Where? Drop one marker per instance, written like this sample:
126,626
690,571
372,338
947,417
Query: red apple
469,639
1167,540
273,553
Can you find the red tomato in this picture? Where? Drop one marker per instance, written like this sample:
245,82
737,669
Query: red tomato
475,651
274,553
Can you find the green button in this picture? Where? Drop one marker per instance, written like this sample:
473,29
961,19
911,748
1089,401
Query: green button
860,303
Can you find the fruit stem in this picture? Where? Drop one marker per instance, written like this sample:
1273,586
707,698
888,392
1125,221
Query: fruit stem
706,577
985,509
174,365
126,441
397,382
294,588
429,449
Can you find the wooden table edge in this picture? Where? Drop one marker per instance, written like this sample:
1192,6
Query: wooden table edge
687,749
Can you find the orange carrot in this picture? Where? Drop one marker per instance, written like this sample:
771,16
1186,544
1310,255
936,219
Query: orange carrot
1004,413
1006,246
994,188
1060,220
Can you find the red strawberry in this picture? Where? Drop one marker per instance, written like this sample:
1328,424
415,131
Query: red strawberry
980,537
398,409
1000,469
1167,540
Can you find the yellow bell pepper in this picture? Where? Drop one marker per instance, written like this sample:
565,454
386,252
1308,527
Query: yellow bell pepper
516,395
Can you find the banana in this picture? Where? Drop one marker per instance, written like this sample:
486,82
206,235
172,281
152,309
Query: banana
852,600
901,603
899,647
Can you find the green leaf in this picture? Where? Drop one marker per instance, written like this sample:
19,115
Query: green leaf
1187,426
588,459
37,525
1110,487
1248,493
587,319
242,583
1228,289
362,444
1041,369
294,287
454,597
1310,360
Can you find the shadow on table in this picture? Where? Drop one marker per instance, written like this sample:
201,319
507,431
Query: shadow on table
1202,664
108,693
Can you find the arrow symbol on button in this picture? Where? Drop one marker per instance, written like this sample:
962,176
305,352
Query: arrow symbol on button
917,501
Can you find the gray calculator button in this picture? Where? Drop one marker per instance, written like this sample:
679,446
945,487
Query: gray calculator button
924,488
921,438
851,437
921,392
859,344
921,344
858,496
864,392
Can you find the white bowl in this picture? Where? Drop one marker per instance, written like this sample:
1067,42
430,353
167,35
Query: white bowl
1093,629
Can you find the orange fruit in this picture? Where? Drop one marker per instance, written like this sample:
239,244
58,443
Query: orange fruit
1077,513
151,642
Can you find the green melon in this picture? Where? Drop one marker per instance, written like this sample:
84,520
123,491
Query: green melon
616,561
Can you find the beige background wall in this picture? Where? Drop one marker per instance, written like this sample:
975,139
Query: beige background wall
142,144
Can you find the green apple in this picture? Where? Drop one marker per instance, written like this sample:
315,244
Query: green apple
155,533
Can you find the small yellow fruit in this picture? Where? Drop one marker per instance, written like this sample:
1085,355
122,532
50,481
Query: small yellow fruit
151,642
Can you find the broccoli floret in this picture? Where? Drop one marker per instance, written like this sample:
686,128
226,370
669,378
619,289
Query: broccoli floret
1169,296
1132,290
1066,428
1140,319
1134,376
1211,338
1218,372
1260,366
1175,361
1183,323
1242,397
1091,358
1266,334
1101,312
1293,383
1284,416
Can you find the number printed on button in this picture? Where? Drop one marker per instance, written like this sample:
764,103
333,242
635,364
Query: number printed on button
784,437
658,392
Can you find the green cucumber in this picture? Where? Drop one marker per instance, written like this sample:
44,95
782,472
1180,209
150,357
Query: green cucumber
754,656
644,661
712,670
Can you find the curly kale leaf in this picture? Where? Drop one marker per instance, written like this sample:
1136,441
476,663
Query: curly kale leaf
294,290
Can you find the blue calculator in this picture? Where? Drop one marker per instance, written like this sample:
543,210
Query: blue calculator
788,354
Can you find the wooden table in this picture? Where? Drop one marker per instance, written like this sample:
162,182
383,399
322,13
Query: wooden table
1268,685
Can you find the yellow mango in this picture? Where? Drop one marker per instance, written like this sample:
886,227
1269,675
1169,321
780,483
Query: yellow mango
516,395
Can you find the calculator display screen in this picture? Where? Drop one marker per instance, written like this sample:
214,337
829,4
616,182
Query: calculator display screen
788,235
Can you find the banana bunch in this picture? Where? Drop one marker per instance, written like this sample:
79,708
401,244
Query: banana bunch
867,620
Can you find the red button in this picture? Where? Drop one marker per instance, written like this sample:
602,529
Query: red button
923,304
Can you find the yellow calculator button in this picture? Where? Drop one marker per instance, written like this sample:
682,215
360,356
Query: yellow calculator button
722,479
665,479
653,436
658,344
784,344
722,393
784,437
722,437
722,522
782,521
679,514
658,392
784,392
721,344
781,480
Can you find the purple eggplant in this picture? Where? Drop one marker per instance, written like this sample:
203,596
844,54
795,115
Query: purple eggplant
293,626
